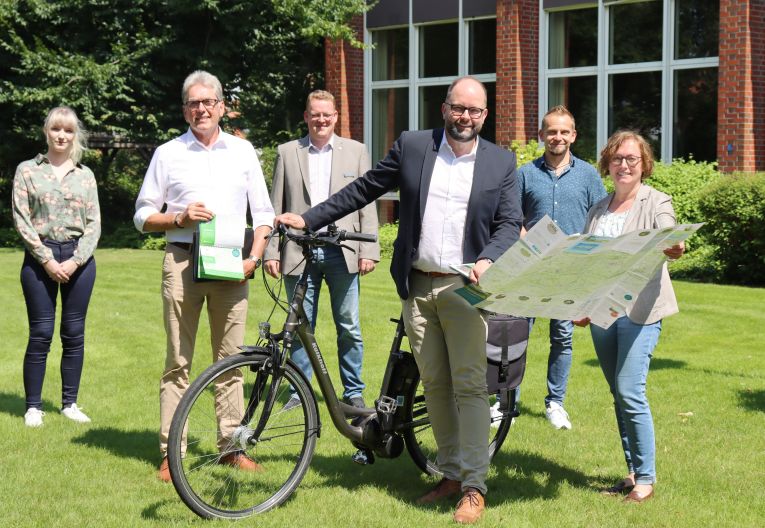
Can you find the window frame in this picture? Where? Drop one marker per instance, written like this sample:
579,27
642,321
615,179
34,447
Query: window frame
603,70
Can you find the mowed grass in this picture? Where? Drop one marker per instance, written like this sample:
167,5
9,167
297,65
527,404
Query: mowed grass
706,387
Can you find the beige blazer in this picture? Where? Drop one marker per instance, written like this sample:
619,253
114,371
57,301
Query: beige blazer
291,193
652,210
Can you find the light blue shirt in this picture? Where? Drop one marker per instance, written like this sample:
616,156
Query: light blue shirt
565,198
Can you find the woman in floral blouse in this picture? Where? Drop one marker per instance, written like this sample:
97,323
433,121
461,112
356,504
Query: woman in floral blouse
55,211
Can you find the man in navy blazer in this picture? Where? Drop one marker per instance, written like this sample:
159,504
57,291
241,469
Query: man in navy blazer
459,203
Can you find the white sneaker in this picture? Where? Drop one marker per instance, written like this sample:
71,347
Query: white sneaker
557,416
495,414
33,417
75,414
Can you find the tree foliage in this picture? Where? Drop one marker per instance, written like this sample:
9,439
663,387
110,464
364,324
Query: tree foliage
120,63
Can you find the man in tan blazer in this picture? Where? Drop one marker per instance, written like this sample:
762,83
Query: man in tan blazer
307,171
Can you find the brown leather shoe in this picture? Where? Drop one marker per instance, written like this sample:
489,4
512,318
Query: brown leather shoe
164,471
445,488
637,497
470,507
240,460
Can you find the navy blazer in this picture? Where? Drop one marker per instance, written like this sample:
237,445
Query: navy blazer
494,214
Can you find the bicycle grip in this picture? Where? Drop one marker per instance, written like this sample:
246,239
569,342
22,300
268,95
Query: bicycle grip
360,237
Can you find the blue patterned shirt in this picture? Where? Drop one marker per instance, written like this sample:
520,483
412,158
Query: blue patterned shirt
565,198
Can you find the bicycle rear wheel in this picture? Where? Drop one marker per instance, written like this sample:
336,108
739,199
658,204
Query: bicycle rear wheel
419,438
205,434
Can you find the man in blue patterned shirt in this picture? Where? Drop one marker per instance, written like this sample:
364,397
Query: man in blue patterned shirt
563,187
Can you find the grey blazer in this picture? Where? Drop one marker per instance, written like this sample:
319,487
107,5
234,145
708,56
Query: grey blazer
652,210
291,193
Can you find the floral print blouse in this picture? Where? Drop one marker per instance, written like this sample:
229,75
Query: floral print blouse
46,208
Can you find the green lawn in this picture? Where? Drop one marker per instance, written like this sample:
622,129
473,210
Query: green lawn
707,390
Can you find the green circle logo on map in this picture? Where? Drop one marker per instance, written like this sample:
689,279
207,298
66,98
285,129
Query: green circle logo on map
235,252
523,298
628,297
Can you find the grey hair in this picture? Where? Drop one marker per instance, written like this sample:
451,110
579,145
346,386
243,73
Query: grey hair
65,116
205,79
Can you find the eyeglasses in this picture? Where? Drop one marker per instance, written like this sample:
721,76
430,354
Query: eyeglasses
632,161
207,103
473,111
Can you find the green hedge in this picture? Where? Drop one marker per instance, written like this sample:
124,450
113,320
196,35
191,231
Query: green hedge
734,209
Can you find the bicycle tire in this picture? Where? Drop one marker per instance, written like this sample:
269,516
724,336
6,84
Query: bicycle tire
419,438
215,490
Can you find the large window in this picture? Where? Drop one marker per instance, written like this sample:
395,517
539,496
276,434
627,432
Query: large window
648,65
410,67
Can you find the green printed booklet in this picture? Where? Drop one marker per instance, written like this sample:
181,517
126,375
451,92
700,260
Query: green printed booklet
218,246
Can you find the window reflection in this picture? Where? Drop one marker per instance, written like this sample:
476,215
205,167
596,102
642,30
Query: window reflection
697,28
482,49
390,117
695,119
635,103
438,50
636,32
573,38
579,95
390,57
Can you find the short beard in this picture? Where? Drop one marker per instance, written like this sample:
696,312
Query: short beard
462,137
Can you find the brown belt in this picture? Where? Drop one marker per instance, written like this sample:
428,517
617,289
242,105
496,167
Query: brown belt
186,246
434,274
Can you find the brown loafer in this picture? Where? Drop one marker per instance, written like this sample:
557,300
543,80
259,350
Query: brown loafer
637,497
470,507
445,488
241,461
620,488
164,471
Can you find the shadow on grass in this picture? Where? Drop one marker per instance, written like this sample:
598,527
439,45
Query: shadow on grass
752,400
656,363
141,445
16,405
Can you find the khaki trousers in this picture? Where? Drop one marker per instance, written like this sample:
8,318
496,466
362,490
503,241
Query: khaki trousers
448,339
182,305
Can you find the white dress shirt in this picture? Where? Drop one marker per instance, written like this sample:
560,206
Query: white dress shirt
443,223
224,177
320,170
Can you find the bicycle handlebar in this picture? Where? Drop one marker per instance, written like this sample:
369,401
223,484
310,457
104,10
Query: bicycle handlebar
332,236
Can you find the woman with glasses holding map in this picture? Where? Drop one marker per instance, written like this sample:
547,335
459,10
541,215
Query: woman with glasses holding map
624,349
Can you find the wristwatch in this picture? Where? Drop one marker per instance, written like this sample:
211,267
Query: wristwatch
257,260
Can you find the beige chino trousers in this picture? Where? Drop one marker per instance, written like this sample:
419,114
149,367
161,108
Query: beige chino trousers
227,313
448,339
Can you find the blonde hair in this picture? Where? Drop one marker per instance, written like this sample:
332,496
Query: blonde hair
616,140
66,117
319,95
561,111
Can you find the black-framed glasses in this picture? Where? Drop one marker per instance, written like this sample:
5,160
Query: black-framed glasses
193,104
632,161
457,110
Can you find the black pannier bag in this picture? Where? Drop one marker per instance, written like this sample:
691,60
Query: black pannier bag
506,342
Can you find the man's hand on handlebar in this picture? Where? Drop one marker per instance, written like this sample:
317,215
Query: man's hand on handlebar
273,268
290,220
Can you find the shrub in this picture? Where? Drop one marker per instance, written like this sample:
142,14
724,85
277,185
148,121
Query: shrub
683,180
734,207
385,236
526,152
267,156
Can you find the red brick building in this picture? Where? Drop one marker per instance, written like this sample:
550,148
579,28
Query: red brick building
689,74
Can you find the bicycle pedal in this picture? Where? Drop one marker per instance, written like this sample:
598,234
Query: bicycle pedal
363,457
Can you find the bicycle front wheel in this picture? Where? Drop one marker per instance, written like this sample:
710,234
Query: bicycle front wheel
419,437
220,465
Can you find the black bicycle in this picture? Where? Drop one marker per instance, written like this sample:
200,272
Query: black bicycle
260,404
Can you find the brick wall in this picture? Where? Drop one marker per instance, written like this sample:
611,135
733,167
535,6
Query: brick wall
741,91
344,78
517,70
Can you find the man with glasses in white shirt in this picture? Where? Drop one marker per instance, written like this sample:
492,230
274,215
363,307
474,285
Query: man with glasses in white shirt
307,171
194,177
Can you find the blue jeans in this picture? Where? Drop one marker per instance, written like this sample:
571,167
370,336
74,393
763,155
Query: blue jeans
330,266
40,293
559,360
624,351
